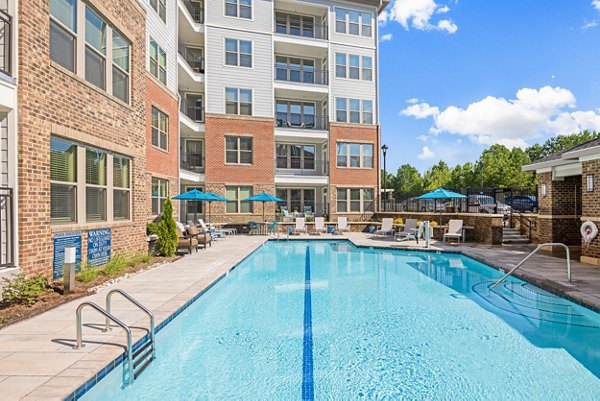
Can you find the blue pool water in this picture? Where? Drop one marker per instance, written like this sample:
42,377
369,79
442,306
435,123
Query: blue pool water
324,320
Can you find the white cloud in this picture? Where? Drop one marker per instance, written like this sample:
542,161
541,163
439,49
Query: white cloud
425,154
511,122
420,111
423,138
418,14
386,38
589,25
412,100
596,4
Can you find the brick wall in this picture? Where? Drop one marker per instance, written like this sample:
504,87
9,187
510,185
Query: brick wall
560,209
51,98
591,207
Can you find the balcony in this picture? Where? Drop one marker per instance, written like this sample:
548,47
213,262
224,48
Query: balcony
301,121
192,162
299,25
5,43
302,74
191,107
300,168
196,10
193,56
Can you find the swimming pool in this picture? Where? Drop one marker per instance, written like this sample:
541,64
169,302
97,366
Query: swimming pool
325,320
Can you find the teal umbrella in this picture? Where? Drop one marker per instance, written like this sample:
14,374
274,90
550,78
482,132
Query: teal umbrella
214,198
194,195
263,197
441,193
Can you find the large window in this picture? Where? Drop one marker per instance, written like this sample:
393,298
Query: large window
350,66
357,200
297,70
238,52
238,8
80,173
297,25
63,181
238,149
296,200
295,156
160,129
354,155
236,196
63,32
351,110
95,48
120,68
158,62
238,101
295,114
160,7
160,191
353,22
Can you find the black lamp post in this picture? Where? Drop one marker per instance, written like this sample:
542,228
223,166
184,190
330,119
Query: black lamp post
384,149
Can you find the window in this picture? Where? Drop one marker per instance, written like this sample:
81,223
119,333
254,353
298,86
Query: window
63,32
353,22
354,67
296,200
96,185
349,110
95,48
238,52
357,200
238,149
63,181
295,114
340,65
160,129
192,209
159,194
238,8
121,188
354,155
236,196
193,158
296,70
367,68
120,68
238,101
297,25
295,156
158,62
160,7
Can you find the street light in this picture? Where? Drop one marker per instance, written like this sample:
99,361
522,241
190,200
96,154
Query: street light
384,149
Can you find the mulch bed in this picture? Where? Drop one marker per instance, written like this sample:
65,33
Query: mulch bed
10,314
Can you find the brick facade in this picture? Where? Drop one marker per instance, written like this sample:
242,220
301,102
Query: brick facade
53,100
591,207
560,209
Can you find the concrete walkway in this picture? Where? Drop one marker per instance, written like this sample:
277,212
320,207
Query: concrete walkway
37,361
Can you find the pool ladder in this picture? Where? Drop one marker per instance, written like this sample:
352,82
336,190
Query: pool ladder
138,360
568,261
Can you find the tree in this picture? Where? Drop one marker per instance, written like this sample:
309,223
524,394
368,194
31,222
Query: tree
560,143
407,180
438,176
167,231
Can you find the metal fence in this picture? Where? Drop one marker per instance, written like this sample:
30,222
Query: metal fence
5,43
7,232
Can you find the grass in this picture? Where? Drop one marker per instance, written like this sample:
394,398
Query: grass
117,264
87,274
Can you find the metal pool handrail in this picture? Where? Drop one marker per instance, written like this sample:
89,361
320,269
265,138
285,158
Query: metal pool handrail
568,261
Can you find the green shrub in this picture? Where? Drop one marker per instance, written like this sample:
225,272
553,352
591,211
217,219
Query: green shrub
24,290
87,274
115,265
138,258
167,231
151,228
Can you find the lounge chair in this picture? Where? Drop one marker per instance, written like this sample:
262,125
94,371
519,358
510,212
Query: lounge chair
409,232
455,230
202,238
387,228
342,225
213,234
186,242
300,225
308,212
320,225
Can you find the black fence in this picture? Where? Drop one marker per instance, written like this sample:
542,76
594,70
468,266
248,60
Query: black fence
478,200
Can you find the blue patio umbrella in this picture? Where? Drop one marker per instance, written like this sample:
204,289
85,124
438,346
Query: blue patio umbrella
214,198
441,193
194,195
263,197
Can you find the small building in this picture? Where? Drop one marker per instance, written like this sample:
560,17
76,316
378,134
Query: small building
569,196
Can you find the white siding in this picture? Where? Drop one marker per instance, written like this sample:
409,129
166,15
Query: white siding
259,78
262,16
347,38
165,34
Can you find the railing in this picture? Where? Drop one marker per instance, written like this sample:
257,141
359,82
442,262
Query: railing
317,209
7,232
194,61
5,43
568,261
195,113
196,10
298,167
305,75
298,27
301,121
193,163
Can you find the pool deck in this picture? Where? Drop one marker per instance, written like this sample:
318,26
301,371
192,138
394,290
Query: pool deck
37,361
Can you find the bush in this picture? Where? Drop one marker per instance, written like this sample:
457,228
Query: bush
433,224
115,265
167,231
87,273
139,258
398,220
151,228
23,290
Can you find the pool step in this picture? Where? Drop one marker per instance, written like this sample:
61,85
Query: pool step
142,358
513,236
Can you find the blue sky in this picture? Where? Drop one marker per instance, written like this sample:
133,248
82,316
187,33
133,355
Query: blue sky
459,75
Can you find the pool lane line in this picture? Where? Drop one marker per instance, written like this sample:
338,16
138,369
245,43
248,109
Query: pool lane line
308,385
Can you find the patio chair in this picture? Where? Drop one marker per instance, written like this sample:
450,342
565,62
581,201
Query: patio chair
253,228
212,233
272,227
343,225
409,232
300,225
387,228
455,230
308,212
186,242
320,225
202,238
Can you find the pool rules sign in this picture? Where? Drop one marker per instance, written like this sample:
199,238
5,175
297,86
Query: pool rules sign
99,246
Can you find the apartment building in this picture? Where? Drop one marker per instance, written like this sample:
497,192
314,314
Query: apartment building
81,98
280,96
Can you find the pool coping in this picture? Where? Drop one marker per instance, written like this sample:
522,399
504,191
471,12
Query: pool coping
532,279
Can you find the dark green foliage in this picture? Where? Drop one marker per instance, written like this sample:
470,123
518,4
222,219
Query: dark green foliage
151,228
115,265
167,231
24,290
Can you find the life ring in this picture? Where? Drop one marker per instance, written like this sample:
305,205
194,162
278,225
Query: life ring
588,230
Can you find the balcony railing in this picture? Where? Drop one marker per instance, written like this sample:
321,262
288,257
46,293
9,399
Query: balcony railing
193,57
298,167
192,162
306,75
297,26
195,113
301,121
288,212
196,10
5,43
